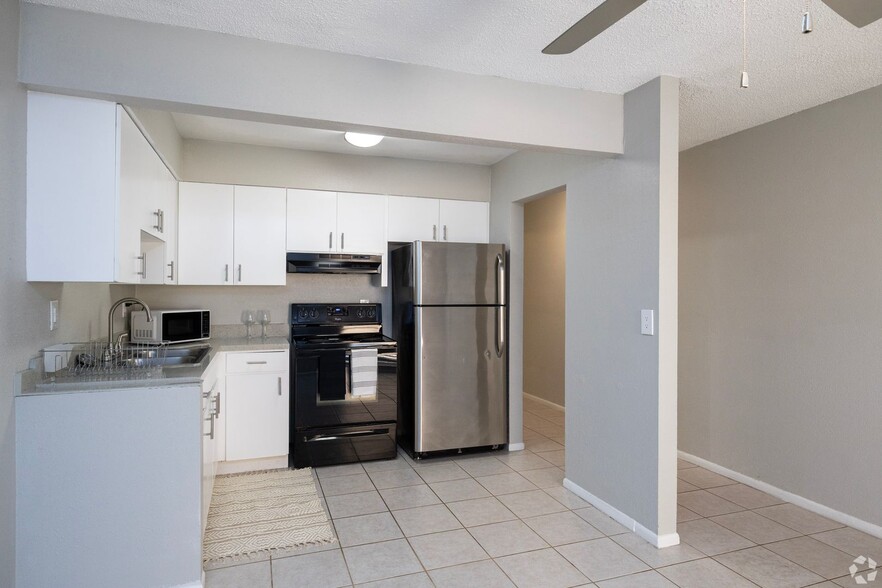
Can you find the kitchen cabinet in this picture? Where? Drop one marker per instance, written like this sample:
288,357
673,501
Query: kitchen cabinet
257,405
311,220
336,222
430,219
90,173
413,219
211,440
464,221
231,235
109,483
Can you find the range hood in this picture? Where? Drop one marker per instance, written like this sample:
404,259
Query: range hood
333,263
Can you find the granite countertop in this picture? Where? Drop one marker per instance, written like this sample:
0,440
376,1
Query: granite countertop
169,376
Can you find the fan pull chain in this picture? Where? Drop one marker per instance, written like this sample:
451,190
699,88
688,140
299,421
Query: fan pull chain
807,24
745,80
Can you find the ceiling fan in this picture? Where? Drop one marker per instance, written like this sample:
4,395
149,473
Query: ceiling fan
860,13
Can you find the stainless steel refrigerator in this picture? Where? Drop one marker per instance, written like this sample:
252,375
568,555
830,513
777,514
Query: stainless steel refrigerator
449,318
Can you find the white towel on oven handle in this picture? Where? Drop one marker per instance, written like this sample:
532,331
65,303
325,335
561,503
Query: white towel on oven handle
363,373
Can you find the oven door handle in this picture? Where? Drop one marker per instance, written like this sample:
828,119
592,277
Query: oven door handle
348,435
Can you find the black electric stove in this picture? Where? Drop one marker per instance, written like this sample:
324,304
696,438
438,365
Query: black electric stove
333,421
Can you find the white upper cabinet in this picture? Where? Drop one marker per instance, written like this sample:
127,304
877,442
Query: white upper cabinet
231,235
413,219
361,222
430,219
91,178
259,236
312,220
205,234
336,222
464,221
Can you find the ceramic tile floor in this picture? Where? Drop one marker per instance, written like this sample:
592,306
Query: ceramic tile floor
505,520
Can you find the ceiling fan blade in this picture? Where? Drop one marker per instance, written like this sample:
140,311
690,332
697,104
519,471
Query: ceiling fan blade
860,13
595,22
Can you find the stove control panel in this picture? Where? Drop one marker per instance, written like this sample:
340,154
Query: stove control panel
333,314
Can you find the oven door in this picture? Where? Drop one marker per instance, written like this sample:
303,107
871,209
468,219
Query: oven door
321,391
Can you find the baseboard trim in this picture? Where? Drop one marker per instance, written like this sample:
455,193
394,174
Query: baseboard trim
516,446
824,511
659,541
545,402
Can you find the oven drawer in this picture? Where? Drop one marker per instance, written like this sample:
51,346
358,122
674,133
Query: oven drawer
257,361
343,445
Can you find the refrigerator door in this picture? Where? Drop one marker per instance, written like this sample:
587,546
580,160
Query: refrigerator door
458,273
461,397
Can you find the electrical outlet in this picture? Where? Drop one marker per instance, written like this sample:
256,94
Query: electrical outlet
647,322
53,314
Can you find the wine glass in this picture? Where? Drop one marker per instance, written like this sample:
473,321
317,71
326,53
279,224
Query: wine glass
248,320
263,317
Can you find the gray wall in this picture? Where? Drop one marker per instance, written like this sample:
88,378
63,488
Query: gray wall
621,257
161,131
24,311
780,281
545,250
232,163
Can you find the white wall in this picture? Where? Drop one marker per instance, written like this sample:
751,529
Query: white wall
232,163
173,68
24,311
621,257
161,131
780,281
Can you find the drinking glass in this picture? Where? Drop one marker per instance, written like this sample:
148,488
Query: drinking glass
248,320
263,317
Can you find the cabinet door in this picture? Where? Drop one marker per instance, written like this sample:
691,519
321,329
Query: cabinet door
169,189
205,234
257,415
412,219
133,192
361,221
72,182
259,236
463,221
312,220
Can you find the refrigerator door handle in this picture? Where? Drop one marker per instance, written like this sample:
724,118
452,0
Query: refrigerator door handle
500,309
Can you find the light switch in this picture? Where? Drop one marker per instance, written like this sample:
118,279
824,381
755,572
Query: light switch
647,322
53,314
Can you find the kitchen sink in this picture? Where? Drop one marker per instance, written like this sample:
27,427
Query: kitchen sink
169,357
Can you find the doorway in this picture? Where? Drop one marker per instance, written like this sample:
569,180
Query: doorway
545,326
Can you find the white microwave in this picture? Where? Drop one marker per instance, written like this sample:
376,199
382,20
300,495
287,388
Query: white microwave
172,326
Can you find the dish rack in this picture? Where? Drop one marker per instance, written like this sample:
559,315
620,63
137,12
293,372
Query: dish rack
95,361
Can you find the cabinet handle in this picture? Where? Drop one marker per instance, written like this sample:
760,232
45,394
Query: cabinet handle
445,232
217,406
161,221
226,272
171,272
331,240
280,385
143,272
256,362
210,433
240,272
342,241
158,215
434,232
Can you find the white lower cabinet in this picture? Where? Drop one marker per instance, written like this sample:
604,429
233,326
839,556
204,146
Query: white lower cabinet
257,405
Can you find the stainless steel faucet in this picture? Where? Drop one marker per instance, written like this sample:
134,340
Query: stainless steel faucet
117,304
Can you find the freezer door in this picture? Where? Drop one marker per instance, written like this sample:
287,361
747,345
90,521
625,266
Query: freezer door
461,396
459,273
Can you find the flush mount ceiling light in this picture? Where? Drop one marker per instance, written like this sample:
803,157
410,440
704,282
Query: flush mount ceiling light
362,139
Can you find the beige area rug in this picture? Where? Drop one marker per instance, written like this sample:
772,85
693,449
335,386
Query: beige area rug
264,511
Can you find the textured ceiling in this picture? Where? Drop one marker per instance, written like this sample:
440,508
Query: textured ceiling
698,41
208,128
